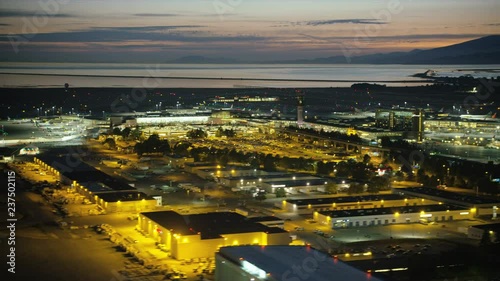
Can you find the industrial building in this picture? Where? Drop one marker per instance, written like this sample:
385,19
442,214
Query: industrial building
177,161
270,221
484,206
393,215
235,171
295,186
277,263
201,235
108,193
309,205
246,182
491,231
191,167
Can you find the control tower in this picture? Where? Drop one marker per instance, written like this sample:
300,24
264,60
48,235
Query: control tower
300,109
418,125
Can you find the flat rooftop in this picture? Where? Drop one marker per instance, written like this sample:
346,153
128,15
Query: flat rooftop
230,168
489,227
345,199
199,164
273,176
265,218
279,261
123,196
299,182
76,170
96,187
469,199
390,211
65,163
209,225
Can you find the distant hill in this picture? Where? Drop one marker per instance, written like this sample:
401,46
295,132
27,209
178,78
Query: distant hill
485,50
202,60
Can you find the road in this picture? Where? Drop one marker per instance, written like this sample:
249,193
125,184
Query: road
46,252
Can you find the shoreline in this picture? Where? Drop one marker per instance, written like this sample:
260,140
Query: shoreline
220,78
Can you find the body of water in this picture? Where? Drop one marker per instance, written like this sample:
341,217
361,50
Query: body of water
223,75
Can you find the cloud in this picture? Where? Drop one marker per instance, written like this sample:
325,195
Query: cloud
22,13
157,28
156,15
343,21
412,37
176,33
492,24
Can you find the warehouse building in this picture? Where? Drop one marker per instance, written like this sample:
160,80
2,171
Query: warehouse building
201,235
309,205
295,186
247,182
279,263
229,171
192,167
110,194
491,231
484,206
177,161
270,221
393,215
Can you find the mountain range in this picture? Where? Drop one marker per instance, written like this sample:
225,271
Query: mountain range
485,50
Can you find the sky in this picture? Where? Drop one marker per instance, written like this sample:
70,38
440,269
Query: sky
251,30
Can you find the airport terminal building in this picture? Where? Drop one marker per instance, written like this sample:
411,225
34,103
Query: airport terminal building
201,235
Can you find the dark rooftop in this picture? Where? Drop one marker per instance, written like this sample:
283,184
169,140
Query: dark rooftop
299,182
389,210
75,169
176,156
7,151
345,199
66,163
210,225
278,260
230,168
272,176
469,199
199,164
265,218
491,226
123,196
